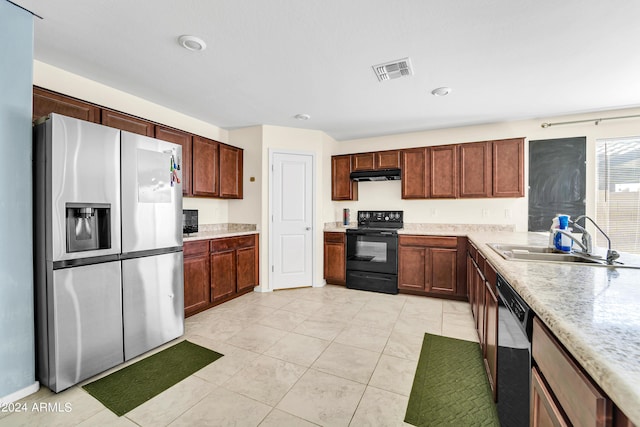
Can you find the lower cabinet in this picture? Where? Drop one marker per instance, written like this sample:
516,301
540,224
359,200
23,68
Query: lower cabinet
335,258
196,276
218,270
430,265
562,393
483,297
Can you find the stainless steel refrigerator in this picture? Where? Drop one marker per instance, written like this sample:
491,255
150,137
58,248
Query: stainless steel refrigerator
108,247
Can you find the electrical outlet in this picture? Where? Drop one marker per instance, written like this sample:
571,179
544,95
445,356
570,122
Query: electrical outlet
485,213
507,213
434,212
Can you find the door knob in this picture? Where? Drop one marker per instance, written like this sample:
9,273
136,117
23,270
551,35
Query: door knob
307,228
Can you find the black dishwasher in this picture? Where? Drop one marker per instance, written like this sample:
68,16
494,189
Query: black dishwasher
515,322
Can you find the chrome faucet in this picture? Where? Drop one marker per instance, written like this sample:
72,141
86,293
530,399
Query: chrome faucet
586,239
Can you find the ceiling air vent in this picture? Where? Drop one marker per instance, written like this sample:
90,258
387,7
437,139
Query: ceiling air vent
393,70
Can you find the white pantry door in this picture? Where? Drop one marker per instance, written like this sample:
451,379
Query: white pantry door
292,220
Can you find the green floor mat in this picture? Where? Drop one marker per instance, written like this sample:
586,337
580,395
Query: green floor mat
451,386
133,385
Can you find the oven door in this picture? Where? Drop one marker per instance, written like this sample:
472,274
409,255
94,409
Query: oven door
372,251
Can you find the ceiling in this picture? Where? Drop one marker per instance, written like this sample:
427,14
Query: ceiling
267,61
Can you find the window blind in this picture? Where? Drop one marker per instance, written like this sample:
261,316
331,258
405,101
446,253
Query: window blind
618,193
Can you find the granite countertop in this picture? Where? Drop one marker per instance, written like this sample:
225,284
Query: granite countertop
215,231
592,310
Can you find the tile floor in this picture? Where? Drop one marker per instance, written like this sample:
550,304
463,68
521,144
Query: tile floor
326,356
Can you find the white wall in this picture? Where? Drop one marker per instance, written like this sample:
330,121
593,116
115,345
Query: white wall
387,195
248,210
210,211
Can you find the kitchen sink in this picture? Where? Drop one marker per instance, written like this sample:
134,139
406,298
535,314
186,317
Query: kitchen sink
542,253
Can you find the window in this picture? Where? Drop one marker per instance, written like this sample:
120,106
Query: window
618,193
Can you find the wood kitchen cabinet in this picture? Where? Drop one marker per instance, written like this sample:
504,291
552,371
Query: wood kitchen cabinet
491,327
197,282
492,168
234,266
483,297
335,268
508,168
116,119
444,171
217,169
205,167
428,264
562,391
387,159
342,187
476,169
375,161
230,171
415,173
46,102
183,139
219,166
363,162
217,270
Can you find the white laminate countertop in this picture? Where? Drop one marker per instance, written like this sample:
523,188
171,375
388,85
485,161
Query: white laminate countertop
593,310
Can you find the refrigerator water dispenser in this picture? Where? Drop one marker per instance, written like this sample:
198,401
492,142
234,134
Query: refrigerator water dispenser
88,226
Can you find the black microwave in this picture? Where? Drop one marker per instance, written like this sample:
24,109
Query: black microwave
189,221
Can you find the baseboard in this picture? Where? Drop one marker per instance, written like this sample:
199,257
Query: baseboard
15,396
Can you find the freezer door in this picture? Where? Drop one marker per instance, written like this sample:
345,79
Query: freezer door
153,302
151,193
85,334
82,163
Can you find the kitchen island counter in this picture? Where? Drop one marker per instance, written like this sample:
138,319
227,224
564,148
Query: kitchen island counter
592,310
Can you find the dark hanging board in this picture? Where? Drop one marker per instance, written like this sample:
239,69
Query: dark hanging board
557,180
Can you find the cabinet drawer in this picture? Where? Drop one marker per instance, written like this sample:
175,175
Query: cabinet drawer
230,243
430,241
580,399
330,237
195,248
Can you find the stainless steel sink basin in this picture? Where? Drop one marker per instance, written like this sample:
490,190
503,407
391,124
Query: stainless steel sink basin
541,253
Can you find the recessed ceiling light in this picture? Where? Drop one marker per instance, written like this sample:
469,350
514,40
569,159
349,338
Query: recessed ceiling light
302,116
192,43
441,91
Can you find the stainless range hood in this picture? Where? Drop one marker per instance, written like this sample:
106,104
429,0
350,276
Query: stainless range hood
376,175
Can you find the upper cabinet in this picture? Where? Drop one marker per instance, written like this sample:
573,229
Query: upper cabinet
387,159
362,161
415,173
46,102
217,169
492,168
205,167
374,161
116,119
342,187
184,139
209,168
508,168
475,169
444,171
230,171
